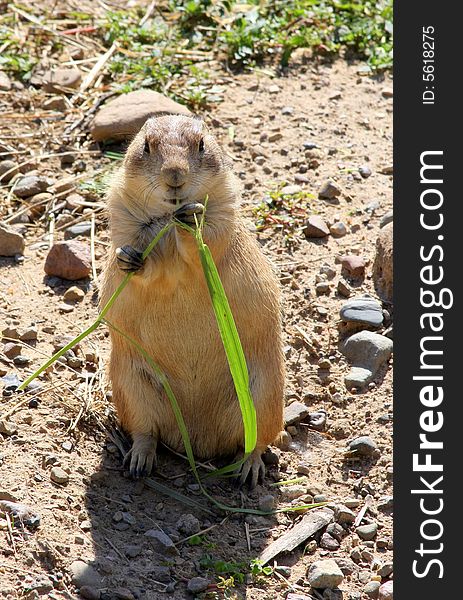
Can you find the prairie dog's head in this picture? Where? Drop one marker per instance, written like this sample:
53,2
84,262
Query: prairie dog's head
174,159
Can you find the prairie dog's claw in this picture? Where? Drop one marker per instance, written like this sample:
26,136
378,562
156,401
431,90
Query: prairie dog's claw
253,469
142,456
186,213
129,259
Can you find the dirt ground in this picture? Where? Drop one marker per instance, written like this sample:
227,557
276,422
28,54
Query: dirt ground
100,516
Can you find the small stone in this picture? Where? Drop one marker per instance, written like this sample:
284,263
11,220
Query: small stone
343,289
124,116
82,574
346,565
73,294
322,288
188,524
10,167
273,89
291,492
65,308
86,525
367,352
324,574
68,260
11,242
290,190
367,532
275,137
344,515
385,503
5,83
363,310
29,335
295,412
352,503
89,593
83,229
386,569
316,227
336,531
11,350
387,92
161,542
59,475
30,185
329,543
270,457
329,191
57,79
386,219
197,585
338,230
8,427
365,171
287,110
362,446
21,361
304,469
267,503
386,590
354,266
371,589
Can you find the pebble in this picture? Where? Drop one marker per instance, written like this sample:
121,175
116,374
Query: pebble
336,531
59,475
344,515
21,361
123,117
328,542
273,89
367,352
309,145
385,591
362,446
11,350
287,110
74,294
387,92
83,228
354,266
188,524
29,335
291,492
365,171
329,190
367,532
197,585
322,288
82,574
55,80
161,542
11,242
290,190
267,503
295,412
5,83
316,227
371,589
338,230
328,271
10,167
68,260
343,289
324,574
386,569
8,427
30,185
386,219
363,310
275,137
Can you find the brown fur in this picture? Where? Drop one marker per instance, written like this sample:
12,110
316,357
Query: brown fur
166,306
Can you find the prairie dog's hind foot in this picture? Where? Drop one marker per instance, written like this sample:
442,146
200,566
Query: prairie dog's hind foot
187,212
253,469
141,458
129,259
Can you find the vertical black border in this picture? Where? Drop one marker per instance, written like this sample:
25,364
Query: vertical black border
419,128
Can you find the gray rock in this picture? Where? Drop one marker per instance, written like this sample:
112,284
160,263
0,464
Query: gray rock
59,475
372,589
367,532
329,191
11,242
386,591
188,524
30,185
364,310
291,492
344,515
367,352
57,79
290,190
346,565
123,117
267,503
386,219
197,585
83,228
316,227
386,569
362,446
10,167
365,171
328,542
338,230
295,412
336,531
161,542
11,350
324,574
82,574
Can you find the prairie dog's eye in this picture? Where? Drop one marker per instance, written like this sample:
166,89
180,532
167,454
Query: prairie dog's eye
201,145
146,148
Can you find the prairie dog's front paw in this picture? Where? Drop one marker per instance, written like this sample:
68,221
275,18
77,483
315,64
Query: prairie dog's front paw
187,212
129,259
253,469
142,456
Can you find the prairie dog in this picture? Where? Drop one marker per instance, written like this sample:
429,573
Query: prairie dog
170,167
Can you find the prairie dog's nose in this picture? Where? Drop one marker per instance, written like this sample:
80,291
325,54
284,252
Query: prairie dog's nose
174,176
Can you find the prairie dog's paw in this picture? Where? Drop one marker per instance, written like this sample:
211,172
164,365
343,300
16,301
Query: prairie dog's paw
129,259
142,456
186,213
253,469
